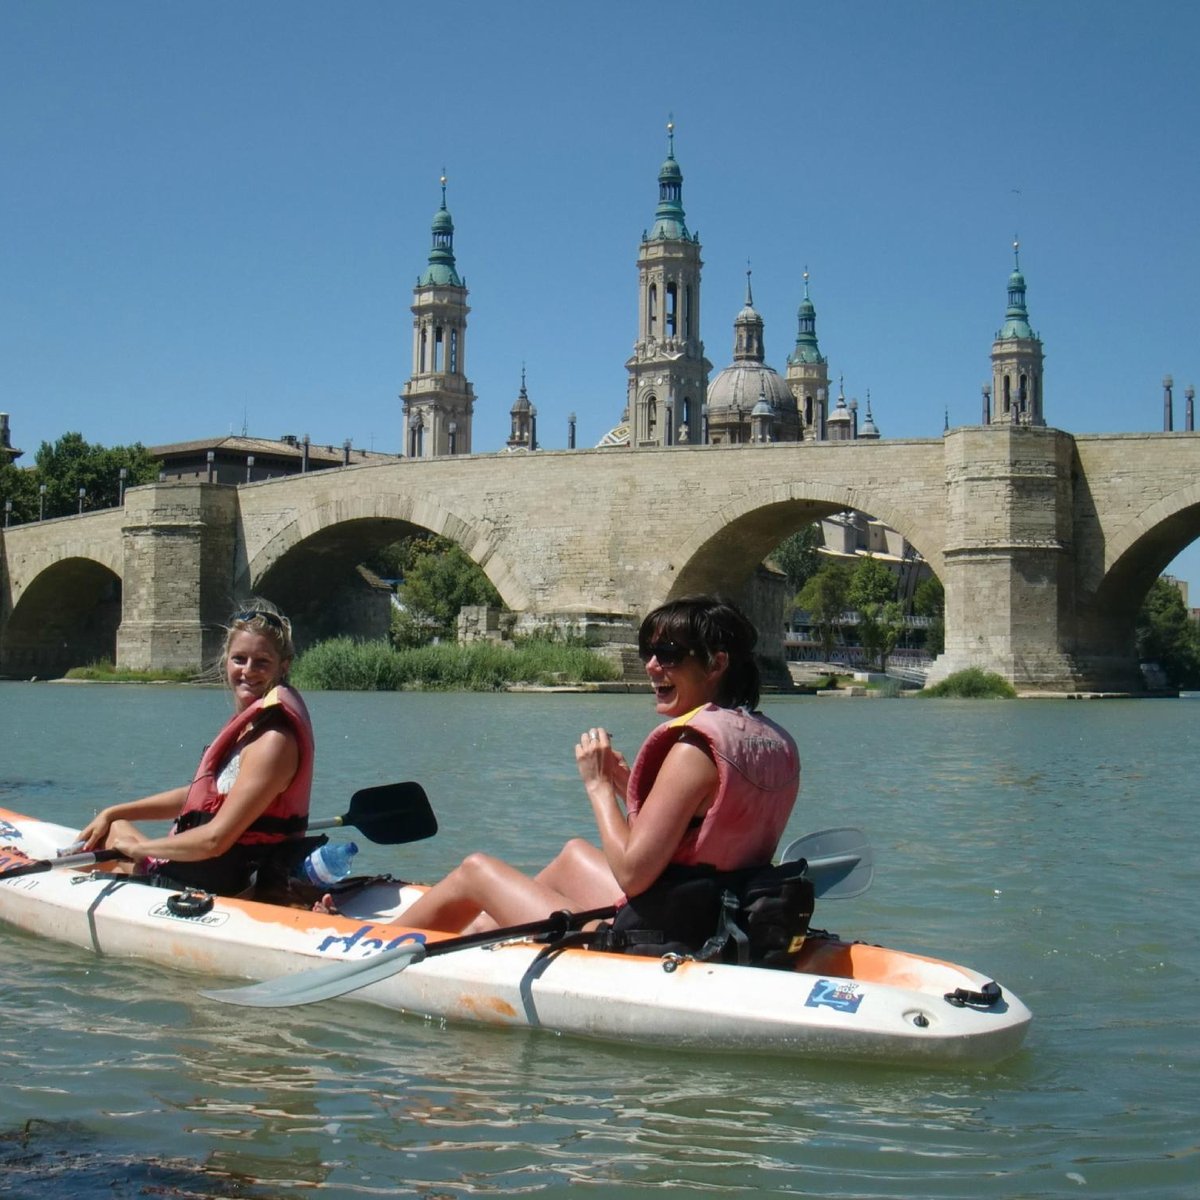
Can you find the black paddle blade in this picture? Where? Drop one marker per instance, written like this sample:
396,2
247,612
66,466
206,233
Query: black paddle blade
392,813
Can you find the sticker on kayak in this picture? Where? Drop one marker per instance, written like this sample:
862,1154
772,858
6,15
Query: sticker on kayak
828,993
212,917
9,830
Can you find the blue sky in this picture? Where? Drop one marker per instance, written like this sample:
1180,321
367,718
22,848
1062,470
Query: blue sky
214,213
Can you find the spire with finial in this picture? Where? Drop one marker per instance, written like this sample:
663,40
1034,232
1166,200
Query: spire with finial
748,343
868,431
441,269
806,350
669,223
1016,318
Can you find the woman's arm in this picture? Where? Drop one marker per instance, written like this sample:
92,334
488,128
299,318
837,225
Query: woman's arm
269,761
162,806
638,853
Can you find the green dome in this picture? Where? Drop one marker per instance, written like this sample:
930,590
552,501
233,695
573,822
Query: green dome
441,270
1016,325
669,223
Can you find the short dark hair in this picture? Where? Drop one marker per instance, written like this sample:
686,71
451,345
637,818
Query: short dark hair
704,625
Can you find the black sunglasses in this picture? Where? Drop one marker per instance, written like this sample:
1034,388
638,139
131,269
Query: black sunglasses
270,618
669,654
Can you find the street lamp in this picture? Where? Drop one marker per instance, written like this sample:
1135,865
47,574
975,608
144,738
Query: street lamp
249,466
41,501
987,403
453,430
122,475
7,513
82,493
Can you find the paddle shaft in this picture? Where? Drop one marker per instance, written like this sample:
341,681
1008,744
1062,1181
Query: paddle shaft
67,860
342,977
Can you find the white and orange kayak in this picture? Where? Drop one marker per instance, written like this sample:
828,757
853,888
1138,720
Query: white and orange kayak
843,1000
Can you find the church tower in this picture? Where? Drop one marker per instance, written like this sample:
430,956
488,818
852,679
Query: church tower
668,373
438,398
1017,359
808,370
523,414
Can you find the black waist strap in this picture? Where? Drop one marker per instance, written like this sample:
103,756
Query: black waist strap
282,826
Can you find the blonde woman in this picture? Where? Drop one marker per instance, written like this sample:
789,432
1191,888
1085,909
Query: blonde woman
250,795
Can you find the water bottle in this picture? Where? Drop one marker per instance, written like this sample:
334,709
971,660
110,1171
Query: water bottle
329,863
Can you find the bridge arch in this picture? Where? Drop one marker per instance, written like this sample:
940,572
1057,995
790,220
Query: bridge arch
1139,553
65,616
739,535
339,533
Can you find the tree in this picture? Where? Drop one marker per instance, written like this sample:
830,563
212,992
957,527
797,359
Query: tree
823,597
440,578
20,486
1167,635
797,556
929,600
872,583
72,463
880,617
879,629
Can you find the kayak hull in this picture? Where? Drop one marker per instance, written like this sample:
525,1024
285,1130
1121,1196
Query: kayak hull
844,1001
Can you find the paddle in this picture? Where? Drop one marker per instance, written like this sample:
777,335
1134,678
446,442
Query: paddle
339,978
389,814
840,863
65,860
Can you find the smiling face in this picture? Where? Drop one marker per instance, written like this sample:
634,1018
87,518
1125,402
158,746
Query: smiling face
253,666
685,681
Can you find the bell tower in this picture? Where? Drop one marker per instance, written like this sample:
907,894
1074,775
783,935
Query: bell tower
808,370
1017,359
438,398
668,373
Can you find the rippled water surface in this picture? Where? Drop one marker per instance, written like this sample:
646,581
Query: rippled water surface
1051,844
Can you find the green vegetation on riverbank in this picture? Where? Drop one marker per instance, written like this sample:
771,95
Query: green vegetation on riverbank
972,684
105,672
343,664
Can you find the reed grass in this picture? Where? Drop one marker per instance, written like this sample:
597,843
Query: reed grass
103,671
343,664
973,683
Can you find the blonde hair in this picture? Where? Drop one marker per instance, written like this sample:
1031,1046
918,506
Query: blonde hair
261,617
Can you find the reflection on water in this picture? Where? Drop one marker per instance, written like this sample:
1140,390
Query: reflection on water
1050,844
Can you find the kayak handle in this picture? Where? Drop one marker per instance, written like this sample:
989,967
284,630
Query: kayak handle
987,997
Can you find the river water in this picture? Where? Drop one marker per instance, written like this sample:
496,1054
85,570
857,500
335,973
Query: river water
1051,844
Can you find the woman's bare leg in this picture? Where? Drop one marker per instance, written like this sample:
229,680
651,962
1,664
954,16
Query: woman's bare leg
483,892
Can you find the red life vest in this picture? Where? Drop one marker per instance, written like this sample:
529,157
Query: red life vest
758,777
287,815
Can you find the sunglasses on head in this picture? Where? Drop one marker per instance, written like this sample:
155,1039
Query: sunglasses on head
268,617
669,654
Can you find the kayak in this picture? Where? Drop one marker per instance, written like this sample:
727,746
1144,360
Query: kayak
843,999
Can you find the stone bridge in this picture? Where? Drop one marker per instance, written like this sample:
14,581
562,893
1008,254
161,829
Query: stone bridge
1046,543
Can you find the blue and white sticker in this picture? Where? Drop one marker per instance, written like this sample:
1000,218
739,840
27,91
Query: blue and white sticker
835,993
9,832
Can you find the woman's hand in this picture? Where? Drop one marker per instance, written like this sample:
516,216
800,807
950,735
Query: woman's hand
95,831
598,761
592,755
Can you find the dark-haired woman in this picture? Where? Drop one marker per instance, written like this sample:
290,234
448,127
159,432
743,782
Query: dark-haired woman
714,785
250,794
